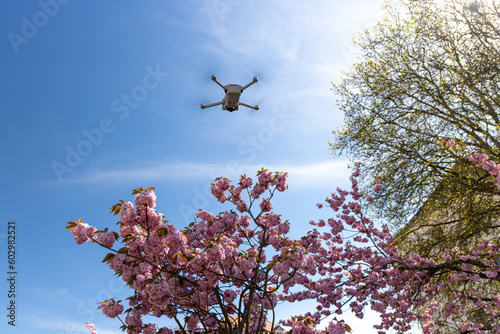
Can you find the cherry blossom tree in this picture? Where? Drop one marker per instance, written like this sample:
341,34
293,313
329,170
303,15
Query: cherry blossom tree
227,273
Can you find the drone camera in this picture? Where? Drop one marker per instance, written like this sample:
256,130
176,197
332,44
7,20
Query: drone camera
231,101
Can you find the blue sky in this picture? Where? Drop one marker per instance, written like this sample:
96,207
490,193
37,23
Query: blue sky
100,97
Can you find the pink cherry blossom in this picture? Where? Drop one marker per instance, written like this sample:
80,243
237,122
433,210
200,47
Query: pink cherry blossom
146,198
245,182
110,308
91,328
240,263
83,232
106,239
266,205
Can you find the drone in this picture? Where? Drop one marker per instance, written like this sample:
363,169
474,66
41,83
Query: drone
231,101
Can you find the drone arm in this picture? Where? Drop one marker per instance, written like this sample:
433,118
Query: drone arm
214,78
203,106
248,106
255,79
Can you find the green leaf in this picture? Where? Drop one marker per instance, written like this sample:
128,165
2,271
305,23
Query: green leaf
108,257
270,265
131,279
70,225
137,191
161,231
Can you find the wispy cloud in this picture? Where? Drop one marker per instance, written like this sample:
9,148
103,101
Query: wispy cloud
307,175
53,294
322,174
63,325
275,30
160,171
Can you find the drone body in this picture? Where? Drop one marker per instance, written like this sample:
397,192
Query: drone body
231,101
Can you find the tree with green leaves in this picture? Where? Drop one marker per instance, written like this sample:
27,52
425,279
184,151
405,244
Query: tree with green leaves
423,96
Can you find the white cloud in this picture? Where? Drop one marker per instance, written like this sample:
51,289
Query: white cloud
307,175
289,31
319,174
53,294
158,171
64,325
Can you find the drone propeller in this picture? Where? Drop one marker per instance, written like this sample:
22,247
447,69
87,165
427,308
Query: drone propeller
206,68
202,89
194,100
259,68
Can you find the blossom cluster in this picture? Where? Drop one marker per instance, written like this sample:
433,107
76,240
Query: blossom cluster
226,272
91,328
83,233
482,160
209,269
110,308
